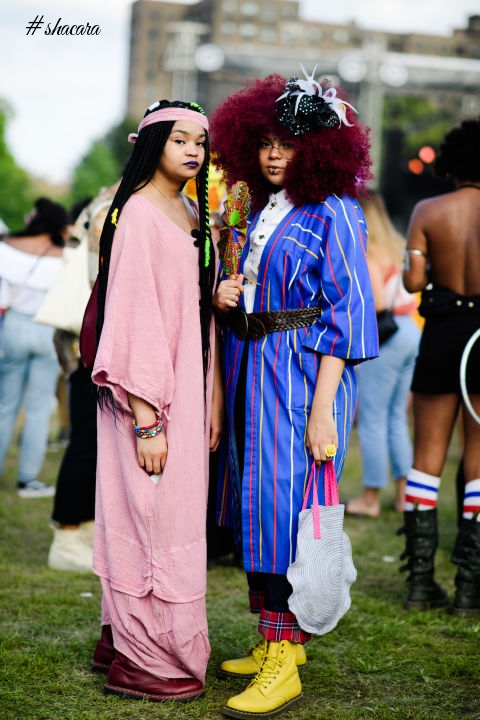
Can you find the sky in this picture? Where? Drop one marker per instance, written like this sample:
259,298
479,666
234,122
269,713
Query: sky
65,92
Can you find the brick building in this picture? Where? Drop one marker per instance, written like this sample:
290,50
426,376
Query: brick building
206,50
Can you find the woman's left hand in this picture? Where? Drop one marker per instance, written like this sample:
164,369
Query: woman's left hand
321,432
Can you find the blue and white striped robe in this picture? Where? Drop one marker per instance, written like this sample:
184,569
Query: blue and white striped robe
317,255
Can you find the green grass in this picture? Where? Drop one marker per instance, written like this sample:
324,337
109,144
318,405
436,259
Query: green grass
381,662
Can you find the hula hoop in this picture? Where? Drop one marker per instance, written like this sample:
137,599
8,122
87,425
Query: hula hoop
463,372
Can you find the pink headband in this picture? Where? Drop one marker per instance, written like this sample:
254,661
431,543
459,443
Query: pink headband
170,113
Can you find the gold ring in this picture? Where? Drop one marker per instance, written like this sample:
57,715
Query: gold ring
330,451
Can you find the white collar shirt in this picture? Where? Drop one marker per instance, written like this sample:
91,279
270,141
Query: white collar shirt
277,207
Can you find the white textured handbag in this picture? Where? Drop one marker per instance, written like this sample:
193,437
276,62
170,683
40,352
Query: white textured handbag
64,304
323,570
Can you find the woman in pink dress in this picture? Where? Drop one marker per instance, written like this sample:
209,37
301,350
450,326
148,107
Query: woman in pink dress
156,420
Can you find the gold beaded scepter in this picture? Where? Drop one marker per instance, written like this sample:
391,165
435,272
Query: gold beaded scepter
233,234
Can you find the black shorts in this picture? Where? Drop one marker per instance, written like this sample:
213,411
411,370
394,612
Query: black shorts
443,341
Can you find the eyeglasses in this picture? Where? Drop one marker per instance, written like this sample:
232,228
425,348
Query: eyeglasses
283,147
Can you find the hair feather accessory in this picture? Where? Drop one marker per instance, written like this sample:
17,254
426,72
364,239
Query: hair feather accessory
308,105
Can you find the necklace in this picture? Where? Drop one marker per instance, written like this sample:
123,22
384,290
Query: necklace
469,185
180,214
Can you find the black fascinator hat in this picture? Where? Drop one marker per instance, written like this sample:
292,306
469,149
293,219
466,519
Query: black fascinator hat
308,105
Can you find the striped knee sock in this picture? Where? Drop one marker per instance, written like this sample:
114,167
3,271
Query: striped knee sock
471,500
421,491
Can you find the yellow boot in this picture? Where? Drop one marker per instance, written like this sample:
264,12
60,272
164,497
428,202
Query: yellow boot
250,664
275,688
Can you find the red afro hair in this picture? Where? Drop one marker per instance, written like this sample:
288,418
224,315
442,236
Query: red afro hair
326,161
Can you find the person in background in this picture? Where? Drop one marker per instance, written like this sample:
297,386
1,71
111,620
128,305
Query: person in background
62,339
160,412
292,335
443,247
384,385
74,504
29,262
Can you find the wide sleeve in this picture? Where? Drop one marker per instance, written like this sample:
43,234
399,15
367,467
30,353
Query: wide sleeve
347,327
135,349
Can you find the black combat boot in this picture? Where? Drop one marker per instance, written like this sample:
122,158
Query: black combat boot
466,554
421,533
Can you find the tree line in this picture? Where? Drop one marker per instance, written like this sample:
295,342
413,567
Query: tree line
101,166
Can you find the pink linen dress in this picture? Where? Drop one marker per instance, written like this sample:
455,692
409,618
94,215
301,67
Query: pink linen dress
150,539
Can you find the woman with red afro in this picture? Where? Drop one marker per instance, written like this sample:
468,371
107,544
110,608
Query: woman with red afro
298,315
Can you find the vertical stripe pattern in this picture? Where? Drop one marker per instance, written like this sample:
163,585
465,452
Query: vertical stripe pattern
316,256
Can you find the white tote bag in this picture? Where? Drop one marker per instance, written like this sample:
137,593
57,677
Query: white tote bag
323,570
64,304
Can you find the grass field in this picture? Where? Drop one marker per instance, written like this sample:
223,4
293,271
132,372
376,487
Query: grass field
381,661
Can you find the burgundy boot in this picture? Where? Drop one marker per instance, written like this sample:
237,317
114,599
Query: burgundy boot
128,680
104,653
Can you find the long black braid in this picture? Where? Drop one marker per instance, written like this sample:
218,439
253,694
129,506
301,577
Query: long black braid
138,172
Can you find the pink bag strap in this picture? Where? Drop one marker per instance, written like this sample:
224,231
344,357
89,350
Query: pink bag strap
330,484
330,490
312,482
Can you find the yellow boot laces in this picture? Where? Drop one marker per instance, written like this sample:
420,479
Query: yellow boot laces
269,671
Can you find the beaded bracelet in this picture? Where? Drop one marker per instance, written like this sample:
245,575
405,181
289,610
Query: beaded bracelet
148,431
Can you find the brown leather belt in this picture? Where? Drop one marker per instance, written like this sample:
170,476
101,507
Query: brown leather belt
252,326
